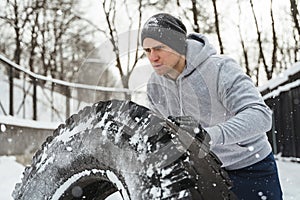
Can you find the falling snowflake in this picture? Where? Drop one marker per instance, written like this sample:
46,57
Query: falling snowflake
3,128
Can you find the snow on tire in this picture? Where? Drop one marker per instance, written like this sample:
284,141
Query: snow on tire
119,147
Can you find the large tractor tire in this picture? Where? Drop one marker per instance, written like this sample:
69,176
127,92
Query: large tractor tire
118,148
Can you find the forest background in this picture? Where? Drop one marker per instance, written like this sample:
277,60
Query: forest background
70,40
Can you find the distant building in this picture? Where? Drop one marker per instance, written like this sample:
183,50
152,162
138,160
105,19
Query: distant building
282,95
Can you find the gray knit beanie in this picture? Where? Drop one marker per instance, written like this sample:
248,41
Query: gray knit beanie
166,29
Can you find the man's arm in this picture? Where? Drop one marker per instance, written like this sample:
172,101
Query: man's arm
241,98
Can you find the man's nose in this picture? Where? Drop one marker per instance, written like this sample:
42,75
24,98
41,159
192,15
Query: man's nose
153,56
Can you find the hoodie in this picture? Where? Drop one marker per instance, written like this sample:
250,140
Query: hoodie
222,98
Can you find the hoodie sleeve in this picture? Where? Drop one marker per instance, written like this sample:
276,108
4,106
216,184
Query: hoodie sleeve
238,94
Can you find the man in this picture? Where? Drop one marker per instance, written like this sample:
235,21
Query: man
190,79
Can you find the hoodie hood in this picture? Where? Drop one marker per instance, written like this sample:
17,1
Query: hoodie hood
198,51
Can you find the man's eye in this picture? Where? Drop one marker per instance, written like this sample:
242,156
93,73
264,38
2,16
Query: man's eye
147,50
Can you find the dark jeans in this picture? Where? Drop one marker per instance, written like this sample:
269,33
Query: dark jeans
258,181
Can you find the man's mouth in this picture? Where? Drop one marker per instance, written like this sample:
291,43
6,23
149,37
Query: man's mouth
157,65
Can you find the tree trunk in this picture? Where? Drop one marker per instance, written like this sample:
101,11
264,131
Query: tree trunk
195,14
31,65
245,52
218,26
18,50
296,19
11,90
295,15
274,36
259,41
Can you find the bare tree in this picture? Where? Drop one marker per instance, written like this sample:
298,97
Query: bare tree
296,19
217,25
197,14
33,44
259,41
295,15
275,43
47,31
50,36
67,32
16,16
4,38
109,8
245,51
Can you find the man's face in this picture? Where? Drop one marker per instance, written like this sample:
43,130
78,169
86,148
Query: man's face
163,59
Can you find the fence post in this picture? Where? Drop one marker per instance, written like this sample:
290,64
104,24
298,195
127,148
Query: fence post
11,90
67,95
34,99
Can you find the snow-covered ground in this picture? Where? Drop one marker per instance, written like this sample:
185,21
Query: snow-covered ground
11,172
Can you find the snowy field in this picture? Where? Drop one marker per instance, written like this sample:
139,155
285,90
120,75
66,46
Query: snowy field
11,172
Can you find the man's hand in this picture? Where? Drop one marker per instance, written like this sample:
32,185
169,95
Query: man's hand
189,124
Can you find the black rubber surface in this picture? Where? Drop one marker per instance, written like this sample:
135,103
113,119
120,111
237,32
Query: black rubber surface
119,146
